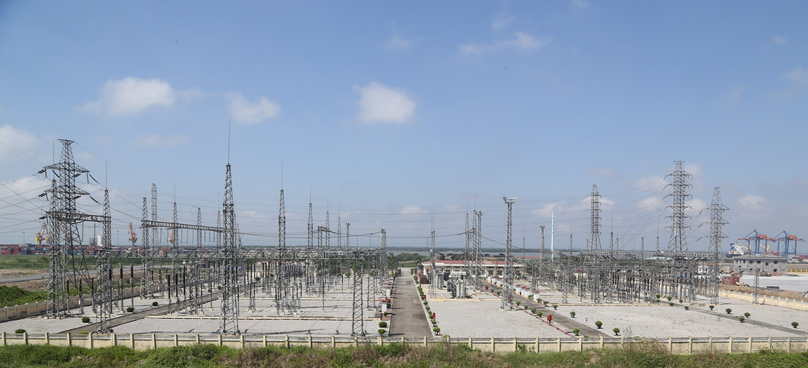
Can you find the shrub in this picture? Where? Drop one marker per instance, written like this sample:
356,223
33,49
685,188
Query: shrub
575,330
555,306
538,300
518,303
545,303
130,309
530,296
671,304
680,301
436,329
382,324
687,307
382,331
711,307
669,297
747,314
729,310
616,331
84,333
533,310
572,314
741,318
427,308
498,293
385,314
22,330
598,323
154,304
85,319
657,296
539,313
795,324
426,303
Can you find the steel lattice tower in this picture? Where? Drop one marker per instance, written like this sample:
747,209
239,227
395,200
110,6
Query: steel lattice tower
383,271
594,221
433,273
717,223
228,318
103,293
466,252
507,291
541,261
64,218
311,226
478,241
282,223
357,312
678,241
146,273
328,230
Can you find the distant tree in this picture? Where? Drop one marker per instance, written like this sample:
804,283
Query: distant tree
687,307
728,310
795,324
575,330
741,318
747,314
598,323
572,314
711,307
382,324
382,331
616,331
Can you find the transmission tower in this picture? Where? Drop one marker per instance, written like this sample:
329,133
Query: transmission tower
594,221
64,218
357,312
103,293
228,318
717,223
311,226
466,253
146,255
433,272
678,241
478,236
506,290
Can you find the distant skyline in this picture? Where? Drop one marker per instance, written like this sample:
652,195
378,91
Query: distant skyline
390,115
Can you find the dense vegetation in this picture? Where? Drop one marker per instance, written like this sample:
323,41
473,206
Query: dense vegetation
16,296
19,261
393,355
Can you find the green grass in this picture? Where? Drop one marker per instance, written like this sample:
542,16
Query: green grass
392,355
15,296
24,261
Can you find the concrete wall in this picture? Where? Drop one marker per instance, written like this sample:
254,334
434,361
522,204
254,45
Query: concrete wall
688,345
765,299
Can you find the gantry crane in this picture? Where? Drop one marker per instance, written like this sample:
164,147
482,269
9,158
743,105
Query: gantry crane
789,242
132,236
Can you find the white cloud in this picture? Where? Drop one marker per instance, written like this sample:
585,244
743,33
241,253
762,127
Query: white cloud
580,4
521,41
131,96
251,112
798,75
379,103
779,39
15,141
734,93
753,207
502,20
413,210
651,204
157,140
696,206
398,43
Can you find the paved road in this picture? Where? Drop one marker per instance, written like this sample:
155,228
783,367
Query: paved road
408,318
92,327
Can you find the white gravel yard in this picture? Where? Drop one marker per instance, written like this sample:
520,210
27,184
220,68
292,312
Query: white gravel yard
470,318
263,327
41,325
664,321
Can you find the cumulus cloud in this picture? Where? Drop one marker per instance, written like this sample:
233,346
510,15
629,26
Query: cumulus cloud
752,203
521,41
151,140
15,141
251,112
503,19
413,210
130,96
798,75
580,4
778,39
398,43
734,93
381,104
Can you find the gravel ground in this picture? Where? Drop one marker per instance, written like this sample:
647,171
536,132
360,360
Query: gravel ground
268,327
663,321
470,318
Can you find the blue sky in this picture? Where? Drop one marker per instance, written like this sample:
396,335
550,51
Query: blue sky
388,113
